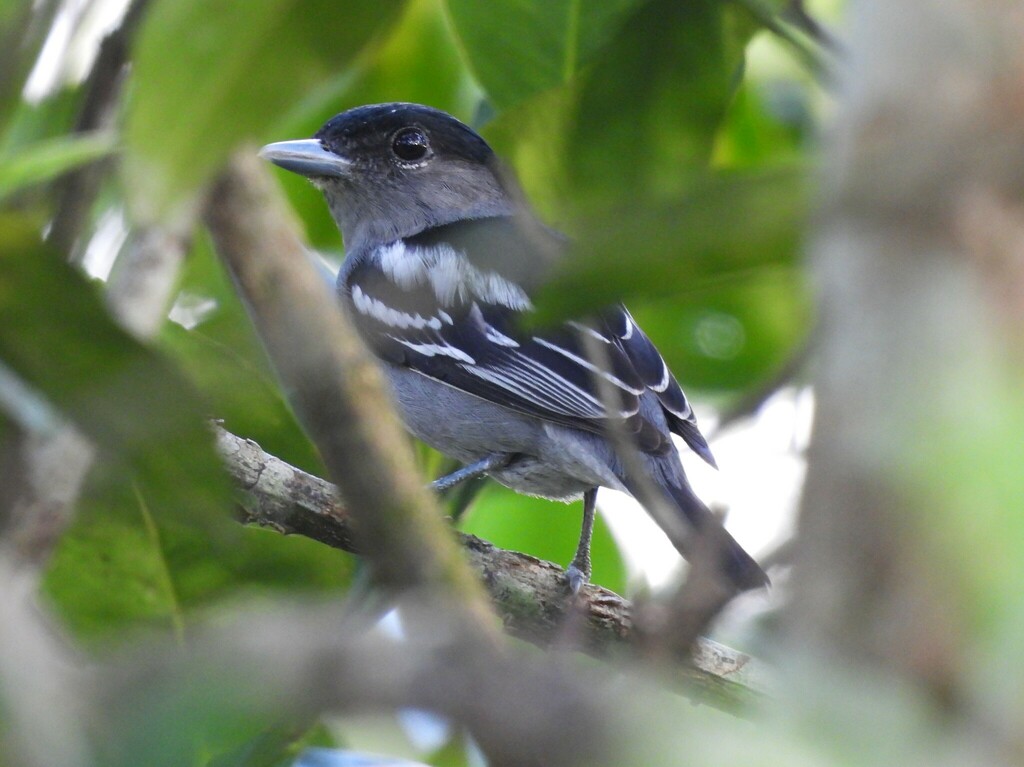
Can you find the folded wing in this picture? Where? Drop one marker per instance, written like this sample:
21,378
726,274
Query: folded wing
427,304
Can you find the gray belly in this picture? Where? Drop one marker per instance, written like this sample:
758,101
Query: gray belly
550,461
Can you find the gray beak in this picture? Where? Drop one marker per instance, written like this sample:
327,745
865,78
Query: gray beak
306,157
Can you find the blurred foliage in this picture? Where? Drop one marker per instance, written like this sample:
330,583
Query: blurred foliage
635,125
120,566
50,158
669,72
129,399
239,88
224,357
517,50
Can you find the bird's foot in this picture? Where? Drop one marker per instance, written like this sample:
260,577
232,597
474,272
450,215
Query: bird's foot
477,469
577,575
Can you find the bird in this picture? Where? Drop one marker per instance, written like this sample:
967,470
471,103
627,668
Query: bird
443,258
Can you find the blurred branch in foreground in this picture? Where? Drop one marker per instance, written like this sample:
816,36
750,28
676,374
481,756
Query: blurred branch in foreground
906,567
522,709
43,718
337,393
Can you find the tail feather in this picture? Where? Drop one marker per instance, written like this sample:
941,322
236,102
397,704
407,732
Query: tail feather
705,529
737,565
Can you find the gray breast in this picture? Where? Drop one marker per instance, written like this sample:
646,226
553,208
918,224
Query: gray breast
552,461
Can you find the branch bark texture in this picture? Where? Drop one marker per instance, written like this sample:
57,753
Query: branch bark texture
528,593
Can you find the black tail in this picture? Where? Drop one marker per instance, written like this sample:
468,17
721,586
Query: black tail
705,530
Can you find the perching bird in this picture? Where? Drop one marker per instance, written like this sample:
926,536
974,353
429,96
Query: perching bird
442,255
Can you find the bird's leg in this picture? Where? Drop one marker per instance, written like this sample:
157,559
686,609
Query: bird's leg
484,465
578,573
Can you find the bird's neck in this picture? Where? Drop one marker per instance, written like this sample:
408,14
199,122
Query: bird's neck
363,229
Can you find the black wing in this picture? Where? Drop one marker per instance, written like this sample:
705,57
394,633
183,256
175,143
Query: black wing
427,304
654,372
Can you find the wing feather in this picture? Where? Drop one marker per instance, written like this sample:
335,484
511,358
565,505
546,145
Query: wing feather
422,303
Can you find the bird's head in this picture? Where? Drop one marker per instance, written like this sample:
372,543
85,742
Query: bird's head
393,170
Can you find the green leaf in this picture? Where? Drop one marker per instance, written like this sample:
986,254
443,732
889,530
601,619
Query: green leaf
533,137
144,416
50,118
210,75
455,753
227,363
277,746
519,49
419,62
44,160
650,107
753,136
728,227
109,572
115,570
119,567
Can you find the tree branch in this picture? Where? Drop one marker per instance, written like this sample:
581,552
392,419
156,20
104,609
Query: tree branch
144,277
528,593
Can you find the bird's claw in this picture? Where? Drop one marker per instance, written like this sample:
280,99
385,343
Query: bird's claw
576,578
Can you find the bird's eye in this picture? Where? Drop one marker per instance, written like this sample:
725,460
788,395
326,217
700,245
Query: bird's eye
410,145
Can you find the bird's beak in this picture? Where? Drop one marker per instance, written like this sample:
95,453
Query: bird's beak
307,157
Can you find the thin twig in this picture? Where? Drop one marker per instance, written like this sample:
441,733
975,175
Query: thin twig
142,282
813,57
23,31
796,12
76,191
